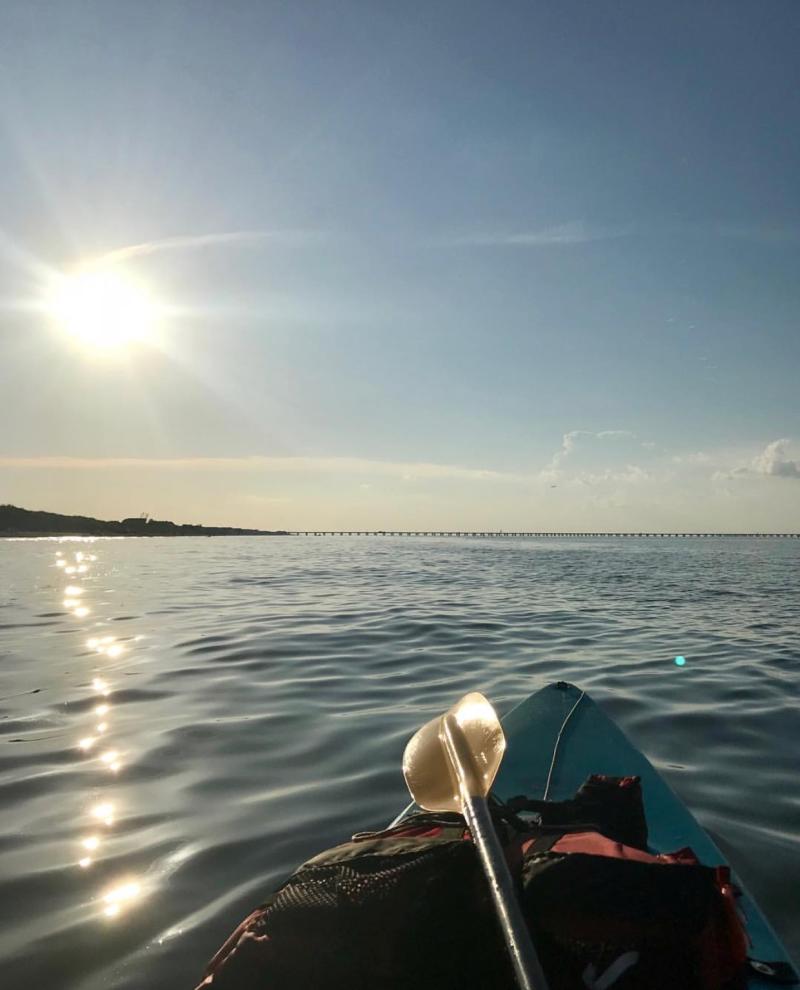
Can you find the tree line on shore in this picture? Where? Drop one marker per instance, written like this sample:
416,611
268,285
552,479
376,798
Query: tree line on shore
15,521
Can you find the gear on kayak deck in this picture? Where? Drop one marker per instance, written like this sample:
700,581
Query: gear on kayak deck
409,906
378,911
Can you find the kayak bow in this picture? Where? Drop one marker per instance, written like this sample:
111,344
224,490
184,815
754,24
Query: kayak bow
558,737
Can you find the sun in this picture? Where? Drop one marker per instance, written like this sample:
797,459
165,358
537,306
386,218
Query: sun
103,308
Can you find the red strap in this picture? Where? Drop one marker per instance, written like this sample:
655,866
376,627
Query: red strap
596,844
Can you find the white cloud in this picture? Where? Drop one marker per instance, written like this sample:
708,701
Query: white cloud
590,458
571,440
774,462
730,474
771,462
565,234
297,465
630,474
196,241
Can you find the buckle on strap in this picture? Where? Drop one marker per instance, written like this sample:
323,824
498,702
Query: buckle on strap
779,971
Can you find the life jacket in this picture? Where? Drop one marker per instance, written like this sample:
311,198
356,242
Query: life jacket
409,907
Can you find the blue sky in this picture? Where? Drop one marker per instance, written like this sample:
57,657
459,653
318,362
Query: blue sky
522,267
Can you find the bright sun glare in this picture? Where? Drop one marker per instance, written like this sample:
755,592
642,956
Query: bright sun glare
104,309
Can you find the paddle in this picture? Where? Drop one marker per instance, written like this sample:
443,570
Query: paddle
450,765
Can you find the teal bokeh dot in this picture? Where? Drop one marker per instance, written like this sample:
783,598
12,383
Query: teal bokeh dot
680,661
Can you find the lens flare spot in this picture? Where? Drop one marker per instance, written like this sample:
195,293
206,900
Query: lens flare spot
91,842
85,862
87,742
680,661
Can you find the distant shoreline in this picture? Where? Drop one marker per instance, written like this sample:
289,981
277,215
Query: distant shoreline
27,524
18,523
41,535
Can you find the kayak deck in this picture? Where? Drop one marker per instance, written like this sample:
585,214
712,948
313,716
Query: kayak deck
560,733
558,737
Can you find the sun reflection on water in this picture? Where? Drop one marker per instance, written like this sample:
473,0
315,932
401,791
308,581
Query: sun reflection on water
106,645
103,813
120,897
111,760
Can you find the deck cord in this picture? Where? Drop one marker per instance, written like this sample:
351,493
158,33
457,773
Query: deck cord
555,748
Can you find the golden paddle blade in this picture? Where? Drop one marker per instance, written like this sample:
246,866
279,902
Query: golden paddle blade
426,768
455,756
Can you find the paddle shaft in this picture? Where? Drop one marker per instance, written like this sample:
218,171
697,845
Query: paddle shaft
527,968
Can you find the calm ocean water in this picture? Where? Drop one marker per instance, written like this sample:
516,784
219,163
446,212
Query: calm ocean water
253,698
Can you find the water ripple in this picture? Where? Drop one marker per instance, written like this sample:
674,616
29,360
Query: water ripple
157,784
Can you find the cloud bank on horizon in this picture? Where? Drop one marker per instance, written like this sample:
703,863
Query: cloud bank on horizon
609,491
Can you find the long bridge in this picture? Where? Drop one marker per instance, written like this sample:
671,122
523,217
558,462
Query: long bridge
504,534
